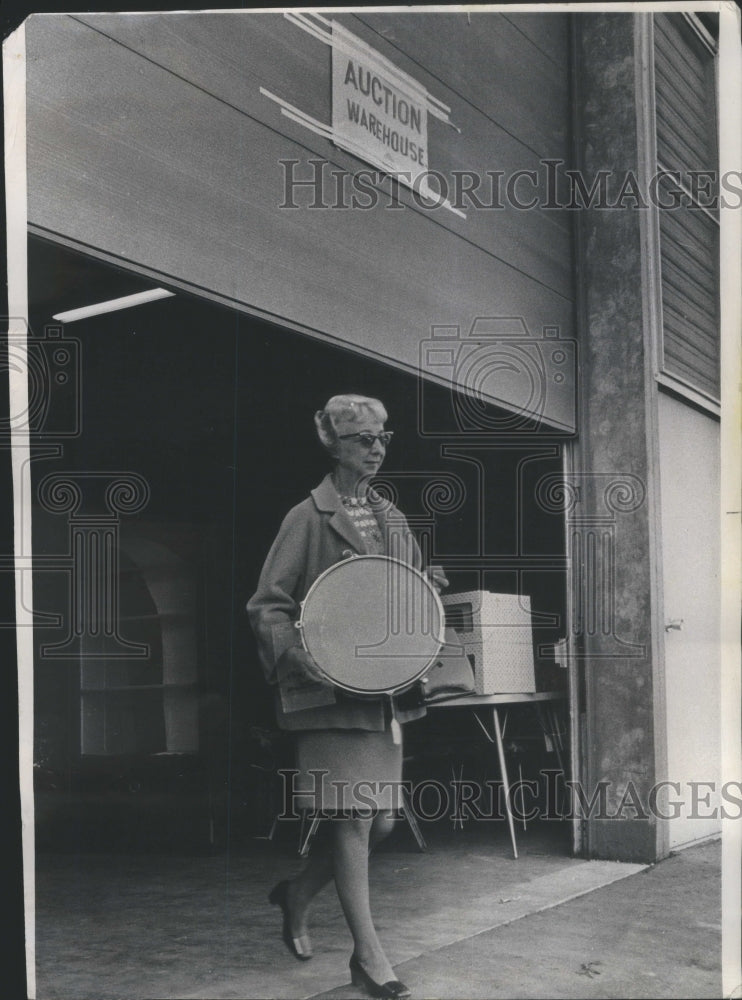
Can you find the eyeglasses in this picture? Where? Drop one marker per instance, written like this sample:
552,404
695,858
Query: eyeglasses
366,438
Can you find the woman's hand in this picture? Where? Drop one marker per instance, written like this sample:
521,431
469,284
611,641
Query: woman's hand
296,660
437,577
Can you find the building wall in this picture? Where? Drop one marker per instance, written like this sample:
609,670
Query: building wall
151,145
650,467
149,141
615,518
689,474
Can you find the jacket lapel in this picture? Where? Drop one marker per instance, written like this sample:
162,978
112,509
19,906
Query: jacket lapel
326,499
343,525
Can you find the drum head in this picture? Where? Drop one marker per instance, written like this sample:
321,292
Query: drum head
372,624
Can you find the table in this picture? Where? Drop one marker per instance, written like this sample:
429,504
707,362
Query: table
544,703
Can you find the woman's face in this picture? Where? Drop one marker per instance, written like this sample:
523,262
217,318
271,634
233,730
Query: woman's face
357,459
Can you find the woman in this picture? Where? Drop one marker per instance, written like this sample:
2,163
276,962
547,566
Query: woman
350,738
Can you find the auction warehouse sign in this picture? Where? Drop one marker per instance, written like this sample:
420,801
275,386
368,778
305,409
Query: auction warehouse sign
379,112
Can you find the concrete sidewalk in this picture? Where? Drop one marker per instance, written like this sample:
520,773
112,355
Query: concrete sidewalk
464,920
656,933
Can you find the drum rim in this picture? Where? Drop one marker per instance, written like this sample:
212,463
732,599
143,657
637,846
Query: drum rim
389,559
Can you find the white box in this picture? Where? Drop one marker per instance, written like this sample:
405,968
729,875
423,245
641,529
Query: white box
497,635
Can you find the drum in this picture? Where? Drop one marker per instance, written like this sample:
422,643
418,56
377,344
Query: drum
372,624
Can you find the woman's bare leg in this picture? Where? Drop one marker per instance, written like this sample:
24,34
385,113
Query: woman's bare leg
315,875
320,869
382,826
352,837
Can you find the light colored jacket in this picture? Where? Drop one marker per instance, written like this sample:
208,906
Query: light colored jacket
315,535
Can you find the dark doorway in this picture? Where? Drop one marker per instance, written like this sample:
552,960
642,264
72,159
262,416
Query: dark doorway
212,410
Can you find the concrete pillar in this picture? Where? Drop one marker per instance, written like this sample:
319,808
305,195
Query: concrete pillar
612,520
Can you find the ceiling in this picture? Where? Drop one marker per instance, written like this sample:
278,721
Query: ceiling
60,279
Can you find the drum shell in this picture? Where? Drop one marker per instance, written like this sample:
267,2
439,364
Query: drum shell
373,624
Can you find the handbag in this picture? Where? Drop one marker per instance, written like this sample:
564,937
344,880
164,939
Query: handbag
452,672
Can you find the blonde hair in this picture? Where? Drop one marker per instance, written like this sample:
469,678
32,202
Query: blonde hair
345,409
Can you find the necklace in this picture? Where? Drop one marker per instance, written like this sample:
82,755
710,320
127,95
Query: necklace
364,521
352,499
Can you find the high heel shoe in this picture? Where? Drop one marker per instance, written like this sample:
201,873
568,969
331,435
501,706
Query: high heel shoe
393,990
300,947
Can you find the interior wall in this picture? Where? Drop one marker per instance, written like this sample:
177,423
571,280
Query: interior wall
154,393
691,556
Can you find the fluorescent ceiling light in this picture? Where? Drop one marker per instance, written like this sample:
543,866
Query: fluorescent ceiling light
113,305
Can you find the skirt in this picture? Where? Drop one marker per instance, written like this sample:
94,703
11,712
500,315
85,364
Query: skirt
347,770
